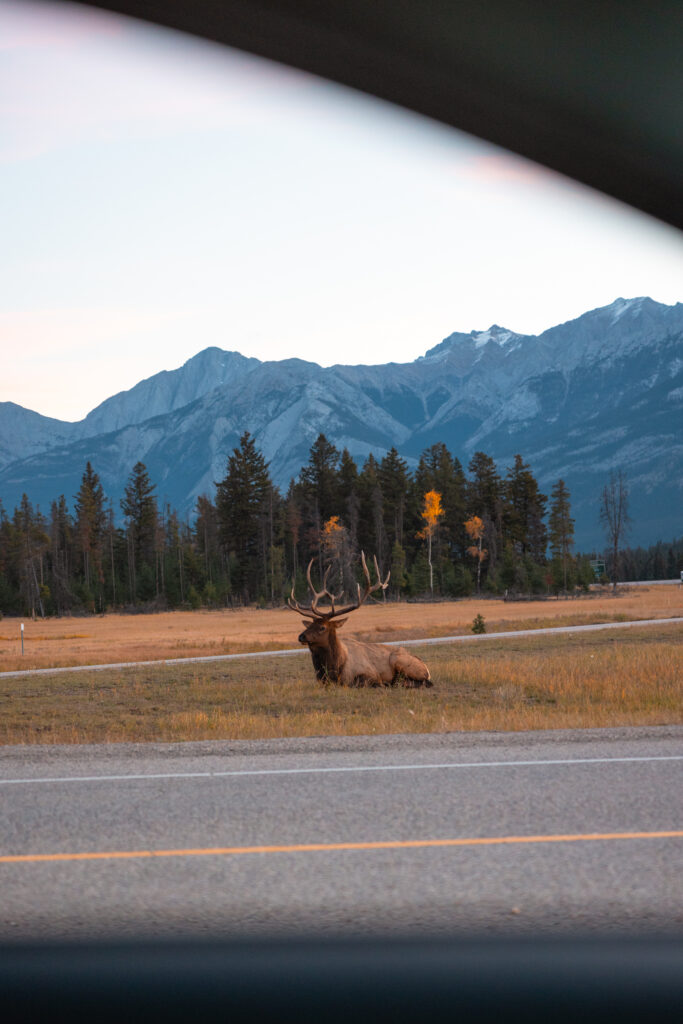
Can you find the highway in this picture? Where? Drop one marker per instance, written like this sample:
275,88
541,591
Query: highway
453,834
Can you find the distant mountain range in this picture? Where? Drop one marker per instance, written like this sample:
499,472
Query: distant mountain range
599,392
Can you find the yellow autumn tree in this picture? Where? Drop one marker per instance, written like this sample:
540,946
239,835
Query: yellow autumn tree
332,535
475,531
333,543
431,513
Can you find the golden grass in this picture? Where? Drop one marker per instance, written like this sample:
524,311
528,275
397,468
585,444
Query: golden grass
544,682
117,638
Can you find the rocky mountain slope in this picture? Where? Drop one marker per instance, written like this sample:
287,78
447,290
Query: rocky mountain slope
599,392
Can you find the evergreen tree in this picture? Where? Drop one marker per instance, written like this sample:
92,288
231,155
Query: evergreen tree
32,541
61,547
399,579
321,479
293,525
485,500
438,471
371,534
243,509
206,537
90,528
393,480
347,477
561,527
524,510
139,506
350,501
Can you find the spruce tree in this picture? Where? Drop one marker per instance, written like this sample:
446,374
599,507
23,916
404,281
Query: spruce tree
523,511
139,506
61,545
243,508
320,477
393,480
371,534
90,527
485,499
32,542
561,527
438,471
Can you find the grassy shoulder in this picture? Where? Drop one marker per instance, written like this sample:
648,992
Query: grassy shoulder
543,682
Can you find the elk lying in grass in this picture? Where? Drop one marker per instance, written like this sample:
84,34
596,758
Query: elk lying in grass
353,662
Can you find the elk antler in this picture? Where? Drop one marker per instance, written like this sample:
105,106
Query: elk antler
312,609
333,613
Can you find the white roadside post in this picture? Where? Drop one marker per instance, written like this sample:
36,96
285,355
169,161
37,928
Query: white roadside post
22,638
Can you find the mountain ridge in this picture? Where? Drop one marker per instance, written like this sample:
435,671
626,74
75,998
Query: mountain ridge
599,391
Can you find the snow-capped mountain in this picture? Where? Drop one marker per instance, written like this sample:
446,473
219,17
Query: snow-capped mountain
596,393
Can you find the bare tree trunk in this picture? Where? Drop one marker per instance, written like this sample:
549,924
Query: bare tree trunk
614,517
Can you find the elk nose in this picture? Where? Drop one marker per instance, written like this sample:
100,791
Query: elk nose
302,638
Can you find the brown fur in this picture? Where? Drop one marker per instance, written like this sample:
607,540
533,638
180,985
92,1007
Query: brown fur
355,663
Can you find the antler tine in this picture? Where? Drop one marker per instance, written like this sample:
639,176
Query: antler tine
294,604
380,584
318,596
326,592
386,582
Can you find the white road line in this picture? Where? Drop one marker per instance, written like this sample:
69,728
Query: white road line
344,768
460,638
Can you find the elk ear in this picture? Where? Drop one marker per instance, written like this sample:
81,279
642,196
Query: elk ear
338,622
308,622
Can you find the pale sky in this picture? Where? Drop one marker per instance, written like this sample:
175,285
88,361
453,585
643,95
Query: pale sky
161,194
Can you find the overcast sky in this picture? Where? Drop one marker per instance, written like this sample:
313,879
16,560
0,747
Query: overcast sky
161,194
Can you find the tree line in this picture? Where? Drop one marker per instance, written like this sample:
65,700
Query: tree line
441,530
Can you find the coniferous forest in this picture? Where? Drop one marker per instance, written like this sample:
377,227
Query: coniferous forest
443,531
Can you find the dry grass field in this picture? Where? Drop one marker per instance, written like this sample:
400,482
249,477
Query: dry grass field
604,678
117,638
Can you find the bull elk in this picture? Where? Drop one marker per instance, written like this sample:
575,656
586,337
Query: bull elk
353,662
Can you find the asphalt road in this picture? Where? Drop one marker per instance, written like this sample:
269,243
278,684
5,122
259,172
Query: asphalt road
382,836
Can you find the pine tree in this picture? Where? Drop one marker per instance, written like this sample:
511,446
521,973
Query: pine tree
438,471
320,477
61,544
524,511
90,527
371,534
320,494
206,537
485,499
561,527
32,541
243,508
350,507
399,579
139,506
392,477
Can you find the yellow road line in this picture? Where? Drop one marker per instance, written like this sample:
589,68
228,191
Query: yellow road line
406,844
